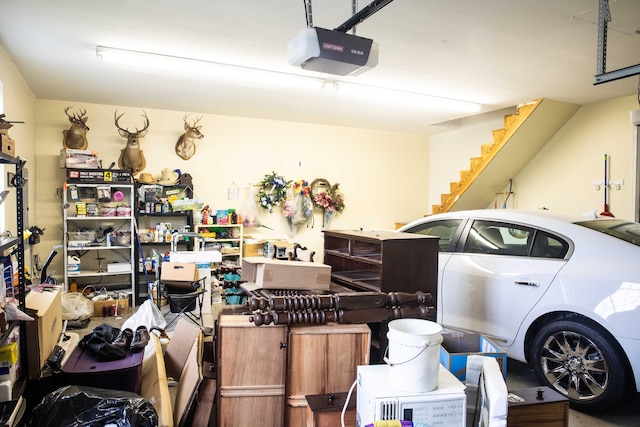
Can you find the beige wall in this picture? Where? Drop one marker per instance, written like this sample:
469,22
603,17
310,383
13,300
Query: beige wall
19,105
562,174
383,175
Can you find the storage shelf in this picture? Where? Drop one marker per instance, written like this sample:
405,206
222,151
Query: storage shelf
180,220
234,237
96,248
96,273
80,233
159,215
8,242
97,217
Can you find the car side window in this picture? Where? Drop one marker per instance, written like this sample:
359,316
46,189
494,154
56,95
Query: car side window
546,245
445,230
488,237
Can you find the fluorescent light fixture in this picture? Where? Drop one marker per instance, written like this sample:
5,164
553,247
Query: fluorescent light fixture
258,76
401,98
209,69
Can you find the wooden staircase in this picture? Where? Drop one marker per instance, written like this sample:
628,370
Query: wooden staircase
513,146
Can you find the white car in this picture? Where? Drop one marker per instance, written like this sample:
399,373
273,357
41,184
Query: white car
556,290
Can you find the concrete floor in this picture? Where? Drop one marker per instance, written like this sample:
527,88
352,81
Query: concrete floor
518,376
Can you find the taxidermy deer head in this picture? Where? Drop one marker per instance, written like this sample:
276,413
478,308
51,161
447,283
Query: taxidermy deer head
186,145
132,157
76,136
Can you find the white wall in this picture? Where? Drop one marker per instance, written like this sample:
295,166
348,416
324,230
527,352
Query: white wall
382,175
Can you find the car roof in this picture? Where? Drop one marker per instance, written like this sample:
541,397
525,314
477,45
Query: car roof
534,216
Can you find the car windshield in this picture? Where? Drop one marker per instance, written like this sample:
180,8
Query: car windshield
625,230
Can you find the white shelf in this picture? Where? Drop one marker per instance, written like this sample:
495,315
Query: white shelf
234,236
95,255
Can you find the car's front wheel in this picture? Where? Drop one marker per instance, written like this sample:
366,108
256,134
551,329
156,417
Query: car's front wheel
582,362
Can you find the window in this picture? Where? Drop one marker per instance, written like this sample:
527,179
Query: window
547,246
445,230
488,237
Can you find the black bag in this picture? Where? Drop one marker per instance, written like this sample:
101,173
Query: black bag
74,406
98,342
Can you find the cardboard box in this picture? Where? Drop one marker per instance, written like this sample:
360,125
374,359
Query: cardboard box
8,145
457,345
119,267
178,273
253,249
78,159
278,274
44,332
110,307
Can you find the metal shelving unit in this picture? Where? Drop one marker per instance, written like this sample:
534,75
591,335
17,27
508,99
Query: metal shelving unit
102,237
15,246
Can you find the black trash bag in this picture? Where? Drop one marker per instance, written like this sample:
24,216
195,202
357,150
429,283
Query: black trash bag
99,344
75,406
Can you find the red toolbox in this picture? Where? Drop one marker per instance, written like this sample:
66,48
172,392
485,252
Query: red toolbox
83,368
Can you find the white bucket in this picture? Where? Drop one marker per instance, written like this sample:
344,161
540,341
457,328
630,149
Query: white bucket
73,264
414,354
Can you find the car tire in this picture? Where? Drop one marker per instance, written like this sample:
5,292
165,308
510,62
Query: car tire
582,362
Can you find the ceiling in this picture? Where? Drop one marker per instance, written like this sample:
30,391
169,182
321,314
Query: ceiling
498,53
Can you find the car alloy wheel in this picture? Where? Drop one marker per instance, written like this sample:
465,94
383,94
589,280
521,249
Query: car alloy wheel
581,362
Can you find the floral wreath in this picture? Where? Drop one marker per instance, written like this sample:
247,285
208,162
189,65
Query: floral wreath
301,186
273,191
326,196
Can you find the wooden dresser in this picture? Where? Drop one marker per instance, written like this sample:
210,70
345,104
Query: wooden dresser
383,261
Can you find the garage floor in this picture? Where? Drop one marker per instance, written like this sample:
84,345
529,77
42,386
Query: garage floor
518,376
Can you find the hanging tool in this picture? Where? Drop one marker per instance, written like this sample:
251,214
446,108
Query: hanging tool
605,186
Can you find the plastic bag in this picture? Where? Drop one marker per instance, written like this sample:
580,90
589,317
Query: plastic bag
76,306
148,314
249,210
75,406
302,210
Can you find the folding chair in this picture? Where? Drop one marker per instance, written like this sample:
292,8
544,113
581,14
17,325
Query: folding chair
184,299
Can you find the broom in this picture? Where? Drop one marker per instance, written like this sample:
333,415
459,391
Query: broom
605,185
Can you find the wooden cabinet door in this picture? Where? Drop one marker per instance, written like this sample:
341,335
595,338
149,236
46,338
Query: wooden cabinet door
251,373
322,359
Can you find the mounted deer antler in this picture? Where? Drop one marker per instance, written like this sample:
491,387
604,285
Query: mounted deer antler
76,136
186,145
132,157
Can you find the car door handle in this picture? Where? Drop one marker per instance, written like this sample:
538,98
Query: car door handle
522,282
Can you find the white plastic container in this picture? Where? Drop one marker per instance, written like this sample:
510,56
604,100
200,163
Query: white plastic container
73,264
414,354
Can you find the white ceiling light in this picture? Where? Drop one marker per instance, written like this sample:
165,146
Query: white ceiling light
256,76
